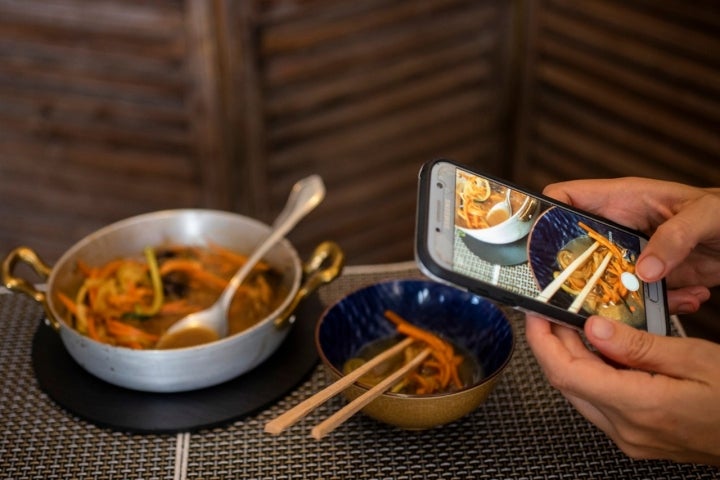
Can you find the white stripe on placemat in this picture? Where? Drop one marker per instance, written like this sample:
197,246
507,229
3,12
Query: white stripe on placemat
182,449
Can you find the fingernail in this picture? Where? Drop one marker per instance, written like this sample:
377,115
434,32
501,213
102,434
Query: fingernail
701,293
650,268
602,328
686,308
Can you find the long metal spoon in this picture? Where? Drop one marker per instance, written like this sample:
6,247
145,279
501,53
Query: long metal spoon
211,324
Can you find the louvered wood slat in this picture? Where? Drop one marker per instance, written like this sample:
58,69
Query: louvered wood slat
134,18
386,101
346,19
377,48
315,95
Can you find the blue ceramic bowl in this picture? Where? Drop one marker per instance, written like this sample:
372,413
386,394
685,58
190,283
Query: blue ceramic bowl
471,322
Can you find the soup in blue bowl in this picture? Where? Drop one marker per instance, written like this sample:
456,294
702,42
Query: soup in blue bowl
357,327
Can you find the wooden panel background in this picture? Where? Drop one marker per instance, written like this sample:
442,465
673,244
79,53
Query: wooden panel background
106,111
109,109
617,88
363,92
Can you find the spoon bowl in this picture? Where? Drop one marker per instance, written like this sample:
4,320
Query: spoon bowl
211,324
501,211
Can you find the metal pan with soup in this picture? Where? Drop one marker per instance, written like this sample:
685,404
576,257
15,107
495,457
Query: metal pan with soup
176,369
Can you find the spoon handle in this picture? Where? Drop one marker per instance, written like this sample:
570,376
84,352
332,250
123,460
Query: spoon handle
305,195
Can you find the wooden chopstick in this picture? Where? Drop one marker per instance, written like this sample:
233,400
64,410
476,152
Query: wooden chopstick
297,413
555,285
335,420
580,299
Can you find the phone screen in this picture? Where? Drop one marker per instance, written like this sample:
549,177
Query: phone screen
531,252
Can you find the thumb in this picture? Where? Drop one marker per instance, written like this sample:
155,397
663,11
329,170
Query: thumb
634,348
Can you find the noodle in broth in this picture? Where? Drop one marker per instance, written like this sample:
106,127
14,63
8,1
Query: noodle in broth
131,302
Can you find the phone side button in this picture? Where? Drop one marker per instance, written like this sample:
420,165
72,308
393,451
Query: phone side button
653,292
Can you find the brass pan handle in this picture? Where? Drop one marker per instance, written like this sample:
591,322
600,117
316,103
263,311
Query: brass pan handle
17,284
327,253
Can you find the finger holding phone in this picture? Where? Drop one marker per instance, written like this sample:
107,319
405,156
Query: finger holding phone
682,222
666,404
662,402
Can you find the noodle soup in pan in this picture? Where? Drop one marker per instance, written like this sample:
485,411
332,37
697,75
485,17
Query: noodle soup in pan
177,369
131,301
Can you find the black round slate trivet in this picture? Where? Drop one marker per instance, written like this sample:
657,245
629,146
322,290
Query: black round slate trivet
107,405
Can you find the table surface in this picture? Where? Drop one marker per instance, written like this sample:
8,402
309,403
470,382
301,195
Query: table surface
525,429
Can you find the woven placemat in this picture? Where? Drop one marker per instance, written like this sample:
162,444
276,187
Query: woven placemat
517,278
525,430
40,440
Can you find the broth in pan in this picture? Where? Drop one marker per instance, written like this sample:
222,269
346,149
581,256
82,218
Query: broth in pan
131,302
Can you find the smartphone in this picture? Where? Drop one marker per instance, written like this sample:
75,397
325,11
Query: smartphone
531,252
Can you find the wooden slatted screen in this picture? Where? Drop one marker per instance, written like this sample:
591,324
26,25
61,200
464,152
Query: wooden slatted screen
109,109
616,88
363,92
104,113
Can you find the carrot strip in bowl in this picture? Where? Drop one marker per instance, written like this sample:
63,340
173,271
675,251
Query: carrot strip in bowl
442,360
411,330
194,269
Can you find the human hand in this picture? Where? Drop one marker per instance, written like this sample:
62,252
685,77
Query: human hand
682,222
672,413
